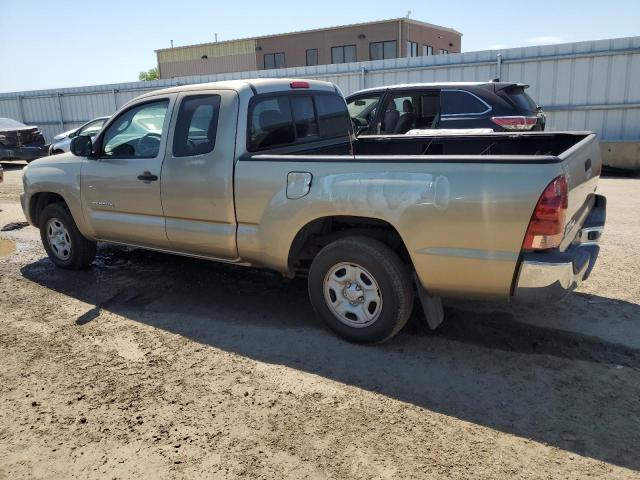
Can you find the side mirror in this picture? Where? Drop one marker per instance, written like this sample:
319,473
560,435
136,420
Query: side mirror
81,146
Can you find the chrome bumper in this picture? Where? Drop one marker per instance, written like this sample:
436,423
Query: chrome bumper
550,276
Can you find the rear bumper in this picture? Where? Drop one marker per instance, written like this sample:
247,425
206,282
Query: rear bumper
550,276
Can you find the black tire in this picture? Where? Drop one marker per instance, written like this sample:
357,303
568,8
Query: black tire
82,251
390,273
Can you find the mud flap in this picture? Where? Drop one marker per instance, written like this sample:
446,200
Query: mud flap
431,305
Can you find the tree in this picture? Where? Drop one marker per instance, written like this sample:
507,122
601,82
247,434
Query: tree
150,75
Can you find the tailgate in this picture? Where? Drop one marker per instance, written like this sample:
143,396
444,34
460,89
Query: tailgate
582,164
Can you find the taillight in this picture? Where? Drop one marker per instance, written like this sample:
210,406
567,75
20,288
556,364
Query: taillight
546,227
515,123
298,84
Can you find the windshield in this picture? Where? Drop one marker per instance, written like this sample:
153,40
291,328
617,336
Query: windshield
363,107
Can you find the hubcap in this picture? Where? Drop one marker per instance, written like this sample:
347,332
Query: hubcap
352,294
58,238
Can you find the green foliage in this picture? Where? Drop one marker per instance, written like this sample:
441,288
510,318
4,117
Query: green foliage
150,75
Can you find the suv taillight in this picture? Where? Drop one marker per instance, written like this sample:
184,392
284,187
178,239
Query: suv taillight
515,123
546,227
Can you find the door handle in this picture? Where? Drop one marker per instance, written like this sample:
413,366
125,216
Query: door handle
148,177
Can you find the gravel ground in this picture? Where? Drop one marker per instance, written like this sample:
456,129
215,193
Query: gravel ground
154,366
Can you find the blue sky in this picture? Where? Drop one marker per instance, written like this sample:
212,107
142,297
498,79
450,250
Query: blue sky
50,44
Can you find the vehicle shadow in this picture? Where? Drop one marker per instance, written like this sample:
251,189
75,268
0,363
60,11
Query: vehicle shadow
565,389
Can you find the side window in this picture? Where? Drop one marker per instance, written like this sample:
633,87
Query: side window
137,132
459,102
270,123
304,117
196,125
333,116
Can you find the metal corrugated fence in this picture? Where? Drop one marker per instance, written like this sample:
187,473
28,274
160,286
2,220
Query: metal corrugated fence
583,86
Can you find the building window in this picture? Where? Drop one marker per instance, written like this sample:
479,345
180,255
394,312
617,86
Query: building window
412,49
343,54
443,51
383,50
312,56
273,60
427,50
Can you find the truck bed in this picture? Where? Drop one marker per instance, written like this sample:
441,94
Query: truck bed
538,144
461,203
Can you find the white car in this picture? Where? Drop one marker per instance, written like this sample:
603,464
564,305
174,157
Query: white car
62,141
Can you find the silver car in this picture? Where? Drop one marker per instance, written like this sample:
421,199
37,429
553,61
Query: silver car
62,141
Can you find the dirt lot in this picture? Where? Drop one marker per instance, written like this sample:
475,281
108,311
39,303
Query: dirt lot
153,366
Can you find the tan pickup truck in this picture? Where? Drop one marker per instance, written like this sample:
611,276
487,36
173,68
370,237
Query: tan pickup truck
267,173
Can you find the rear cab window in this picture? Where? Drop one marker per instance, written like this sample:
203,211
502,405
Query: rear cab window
286,119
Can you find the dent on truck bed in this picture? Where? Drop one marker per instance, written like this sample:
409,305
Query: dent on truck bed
384,193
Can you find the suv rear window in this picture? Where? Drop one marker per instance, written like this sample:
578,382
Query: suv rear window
459,102
288,119
521,100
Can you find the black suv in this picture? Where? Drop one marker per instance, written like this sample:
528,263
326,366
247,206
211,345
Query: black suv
500,106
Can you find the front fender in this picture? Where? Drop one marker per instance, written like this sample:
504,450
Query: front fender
59,175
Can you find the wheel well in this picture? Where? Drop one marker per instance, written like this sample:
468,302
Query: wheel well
320,232
40,201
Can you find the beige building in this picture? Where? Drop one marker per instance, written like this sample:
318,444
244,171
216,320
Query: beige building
401,37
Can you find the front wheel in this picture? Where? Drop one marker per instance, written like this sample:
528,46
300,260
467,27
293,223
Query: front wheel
361,289
62,240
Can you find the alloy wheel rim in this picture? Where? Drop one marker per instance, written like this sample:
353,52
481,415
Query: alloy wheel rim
59,239
352,294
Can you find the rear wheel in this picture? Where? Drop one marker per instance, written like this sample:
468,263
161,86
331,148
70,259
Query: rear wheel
361,289
62,240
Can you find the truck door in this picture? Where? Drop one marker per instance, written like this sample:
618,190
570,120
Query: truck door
197,175
120,186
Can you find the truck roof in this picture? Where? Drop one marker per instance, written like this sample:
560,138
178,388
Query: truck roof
256,85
